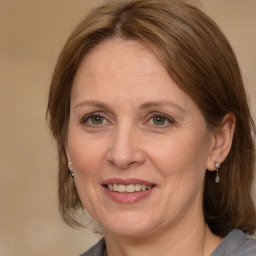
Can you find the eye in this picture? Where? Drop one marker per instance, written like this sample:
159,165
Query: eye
94,119
160,120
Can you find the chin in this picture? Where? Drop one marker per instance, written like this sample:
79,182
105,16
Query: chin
129,224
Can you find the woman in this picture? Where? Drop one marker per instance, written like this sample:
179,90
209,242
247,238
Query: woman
154,132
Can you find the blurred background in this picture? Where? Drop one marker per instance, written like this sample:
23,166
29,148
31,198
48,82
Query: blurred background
32,33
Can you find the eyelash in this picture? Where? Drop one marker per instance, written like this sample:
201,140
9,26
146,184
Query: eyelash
85,119
162,116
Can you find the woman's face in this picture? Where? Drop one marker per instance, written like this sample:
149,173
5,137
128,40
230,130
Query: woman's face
133,130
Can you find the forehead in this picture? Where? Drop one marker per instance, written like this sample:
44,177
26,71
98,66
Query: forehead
126,62
128,70
128,56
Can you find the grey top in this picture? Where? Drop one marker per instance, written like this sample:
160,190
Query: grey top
236,243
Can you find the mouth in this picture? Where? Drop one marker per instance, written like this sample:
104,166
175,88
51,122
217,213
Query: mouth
127,191
130,188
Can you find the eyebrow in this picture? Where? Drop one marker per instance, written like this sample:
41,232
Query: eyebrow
92,103
162,104
98,104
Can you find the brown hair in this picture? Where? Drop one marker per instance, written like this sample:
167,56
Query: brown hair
200,60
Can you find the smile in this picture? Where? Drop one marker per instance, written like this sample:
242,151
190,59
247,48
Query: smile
130,188
127,191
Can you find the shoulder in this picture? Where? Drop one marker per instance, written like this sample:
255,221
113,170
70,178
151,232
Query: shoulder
248,248
96,250
236,243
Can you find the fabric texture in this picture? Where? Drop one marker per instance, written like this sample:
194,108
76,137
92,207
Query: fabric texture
236,243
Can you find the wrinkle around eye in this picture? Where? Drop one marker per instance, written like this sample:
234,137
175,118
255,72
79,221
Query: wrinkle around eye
83,120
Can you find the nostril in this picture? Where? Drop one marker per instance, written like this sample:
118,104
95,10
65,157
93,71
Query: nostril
125,158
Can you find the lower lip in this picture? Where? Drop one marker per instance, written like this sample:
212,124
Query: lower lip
128,198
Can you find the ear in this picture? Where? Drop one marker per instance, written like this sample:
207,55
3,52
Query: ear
222,141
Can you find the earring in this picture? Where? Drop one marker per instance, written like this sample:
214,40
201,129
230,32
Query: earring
70,170
217,165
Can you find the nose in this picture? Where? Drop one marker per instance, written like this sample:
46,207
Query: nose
125,148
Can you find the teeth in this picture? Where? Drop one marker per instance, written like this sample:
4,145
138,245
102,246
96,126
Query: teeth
121,188
128,188
115,187
137,187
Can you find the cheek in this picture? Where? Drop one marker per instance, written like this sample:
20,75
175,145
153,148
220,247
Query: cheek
86,155
87,158
181,155
181,162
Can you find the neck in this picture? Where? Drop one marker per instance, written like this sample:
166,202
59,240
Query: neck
195,239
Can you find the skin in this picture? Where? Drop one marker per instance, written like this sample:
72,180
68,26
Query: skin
128,119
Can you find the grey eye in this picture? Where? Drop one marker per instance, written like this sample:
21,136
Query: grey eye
96,120
158,120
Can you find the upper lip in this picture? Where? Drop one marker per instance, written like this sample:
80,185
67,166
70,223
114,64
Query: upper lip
127,181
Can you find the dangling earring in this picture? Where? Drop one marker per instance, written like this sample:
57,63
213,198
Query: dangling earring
217,165
70,170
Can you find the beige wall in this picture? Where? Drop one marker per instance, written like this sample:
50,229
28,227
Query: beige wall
31,35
